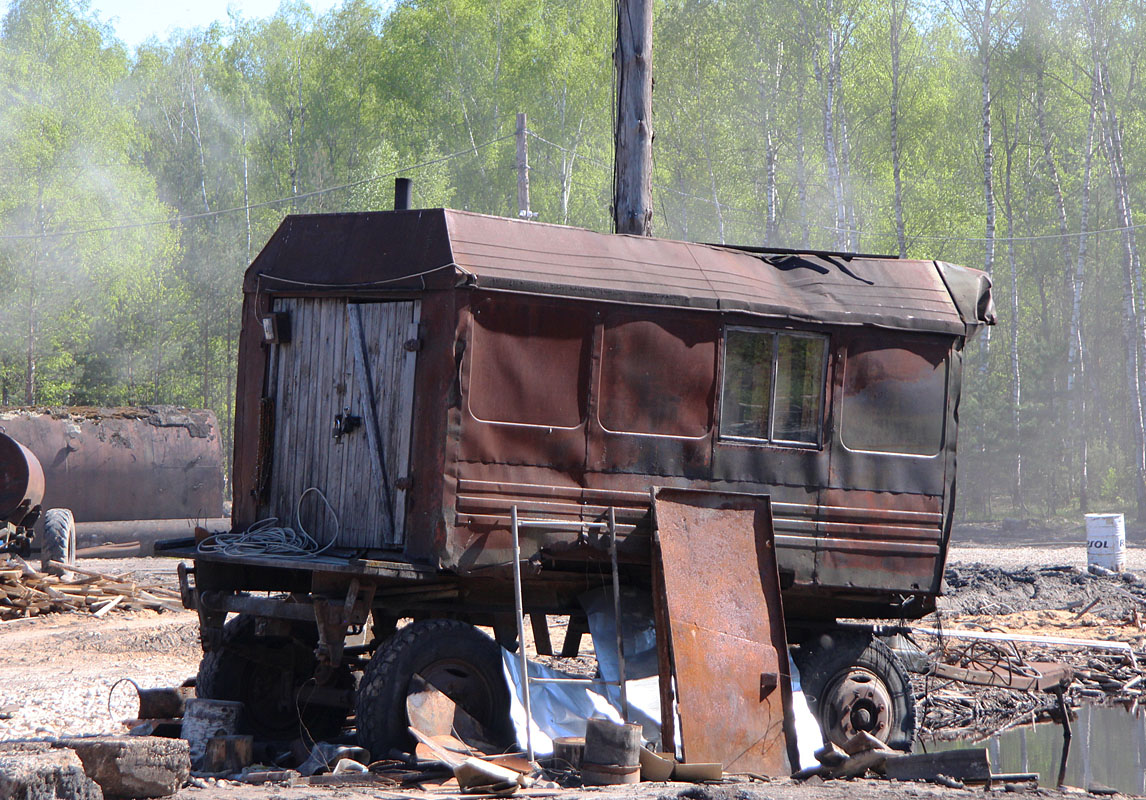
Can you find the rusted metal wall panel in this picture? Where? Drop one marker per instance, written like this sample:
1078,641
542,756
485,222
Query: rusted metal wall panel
431,248
248,467
360,253
726,623
158,462
532,257
874,524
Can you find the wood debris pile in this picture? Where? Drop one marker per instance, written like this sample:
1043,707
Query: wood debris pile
27,592
1109,679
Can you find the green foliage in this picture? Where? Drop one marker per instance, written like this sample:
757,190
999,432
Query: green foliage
138,186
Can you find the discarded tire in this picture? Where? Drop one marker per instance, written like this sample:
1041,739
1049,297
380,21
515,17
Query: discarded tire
265,673
59,539
456,658
854,683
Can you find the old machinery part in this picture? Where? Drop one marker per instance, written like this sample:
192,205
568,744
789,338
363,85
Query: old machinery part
21,484
273,677
454,657
855,684
59,542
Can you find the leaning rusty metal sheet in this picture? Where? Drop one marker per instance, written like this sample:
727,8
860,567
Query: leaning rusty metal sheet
726,628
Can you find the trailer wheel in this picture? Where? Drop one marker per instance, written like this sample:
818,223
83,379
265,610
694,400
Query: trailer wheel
456,658
59,542
265,673
854,683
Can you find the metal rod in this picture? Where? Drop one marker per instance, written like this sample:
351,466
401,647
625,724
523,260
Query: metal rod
585,681
520,606
617,612
1059,641
561,523
1066,734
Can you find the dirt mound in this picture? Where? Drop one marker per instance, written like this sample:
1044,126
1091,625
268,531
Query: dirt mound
981,589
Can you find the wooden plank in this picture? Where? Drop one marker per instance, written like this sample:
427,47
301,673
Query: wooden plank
351,454
302,460
404,418
326,407
967,764
374,420
284,439
355,455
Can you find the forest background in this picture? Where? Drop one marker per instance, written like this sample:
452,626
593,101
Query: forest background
1002,134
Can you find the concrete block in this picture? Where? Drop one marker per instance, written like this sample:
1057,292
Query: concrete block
42,774
133,766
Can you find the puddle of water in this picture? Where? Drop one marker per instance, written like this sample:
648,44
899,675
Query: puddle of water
1108,747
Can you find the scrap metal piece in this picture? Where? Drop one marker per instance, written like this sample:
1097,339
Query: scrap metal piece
21,481
1038,676
721,596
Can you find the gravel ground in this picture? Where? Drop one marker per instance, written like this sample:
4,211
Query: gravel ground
1050,555
59,670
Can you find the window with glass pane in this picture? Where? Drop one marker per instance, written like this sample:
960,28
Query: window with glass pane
747,395
799,388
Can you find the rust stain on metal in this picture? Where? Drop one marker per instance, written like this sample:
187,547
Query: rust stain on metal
566,372
728,643
160,462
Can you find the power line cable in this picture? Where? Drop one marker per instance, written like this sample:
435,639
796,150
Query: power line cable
889,234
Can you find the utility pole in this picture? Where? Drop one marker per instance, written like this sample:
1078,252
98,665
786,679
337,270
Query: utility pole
633,149
523,210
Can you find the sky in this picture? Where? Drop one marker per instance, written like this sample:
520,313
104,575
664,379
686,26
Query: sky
136,20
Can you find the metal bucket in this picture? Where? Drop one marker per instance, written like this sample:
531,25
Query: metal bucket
1106,541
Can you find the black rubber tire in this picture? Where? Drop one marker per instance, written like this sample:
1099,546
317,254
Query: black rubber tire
264,673
823,660
457,658
59,542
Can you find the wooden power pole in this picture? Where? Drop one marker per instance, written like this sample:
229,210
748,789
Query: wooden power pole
633,153
523,209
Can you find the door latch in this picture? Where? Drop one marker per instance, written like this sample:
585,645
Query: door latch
344,423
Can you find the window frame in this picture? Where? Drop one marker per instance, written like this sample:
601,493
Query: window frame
775,333
472,351
943,414
598,396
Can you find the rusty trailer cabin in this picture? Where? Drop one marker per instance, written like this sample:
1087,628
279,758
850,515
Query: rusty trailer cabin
407,379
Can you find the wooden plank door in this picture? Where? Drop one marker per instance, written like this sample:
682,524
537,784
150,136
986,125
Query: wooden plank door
345,359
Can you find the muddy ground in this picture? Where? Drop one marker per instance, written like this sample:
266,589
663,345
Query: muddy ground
58,671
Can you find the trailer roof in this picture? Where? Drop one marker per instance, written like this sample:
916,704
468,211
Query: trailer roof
443,248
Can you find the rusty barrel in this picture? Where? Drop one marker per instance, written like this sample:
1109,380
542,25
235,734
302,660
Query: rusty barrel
110,464
21,481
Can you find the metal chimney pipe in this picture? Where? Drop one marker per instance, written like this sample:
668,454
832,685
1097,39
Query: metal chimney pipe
403,190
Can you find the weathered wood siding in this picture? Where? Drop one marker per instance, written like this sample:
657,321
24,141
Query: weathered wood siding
315,377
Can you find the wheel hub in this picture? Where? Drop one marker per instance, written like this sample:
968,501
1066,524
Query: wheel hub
856,701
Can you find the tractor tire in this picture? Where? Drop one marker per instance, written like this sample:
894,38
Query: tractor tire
456,658
265,673
854,682
59,543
